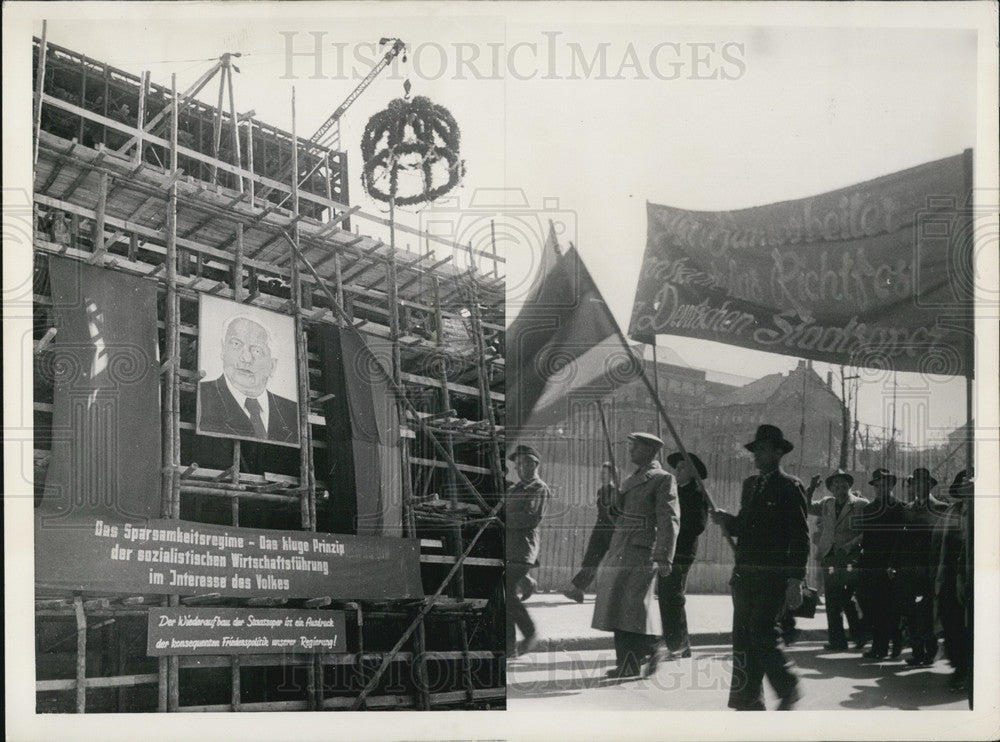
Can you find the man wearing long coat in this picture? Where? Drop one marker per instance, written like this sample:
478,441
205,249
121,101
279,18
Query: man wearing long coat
642,545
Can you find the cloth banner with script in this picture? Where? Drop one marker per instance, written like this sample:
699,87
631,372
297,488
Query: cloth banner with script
877,275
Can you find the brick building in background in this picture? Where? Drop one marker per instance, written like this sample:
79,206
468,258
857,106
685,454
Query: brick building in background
715,415
805,408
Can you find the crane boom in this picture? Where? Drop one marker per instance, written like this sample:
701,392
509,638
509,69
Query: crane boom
394,51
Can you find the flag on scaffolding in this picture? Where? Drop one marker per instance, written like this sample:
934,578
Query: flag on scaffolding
564,348
105,457
363,444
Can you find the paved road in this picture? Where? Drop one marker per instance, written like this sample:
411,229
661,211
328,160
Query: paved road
574,680
563,624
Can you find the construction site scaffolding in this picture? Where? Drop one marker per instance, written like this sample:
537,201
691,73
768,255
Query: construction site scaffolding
139,179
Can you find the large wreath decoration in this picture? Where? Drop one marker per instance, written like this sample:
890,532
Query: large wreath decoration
411,152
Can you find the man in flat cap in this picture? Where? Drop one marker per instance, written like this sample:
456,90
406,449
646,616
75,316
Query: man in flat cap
838,547
881,523
772,547
642,546
600,536
670,588
916,565
524,507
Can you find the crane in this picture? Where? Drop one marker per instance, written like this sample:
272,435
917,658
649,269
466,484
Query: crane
397,48
394,51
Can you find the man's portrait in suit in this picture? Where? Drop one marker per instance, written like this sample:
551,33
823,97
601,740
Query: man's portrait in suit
240,402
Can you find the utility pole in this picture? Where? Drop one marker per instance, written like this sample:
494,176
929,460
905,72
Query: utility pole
854,445
845,415
802,425
892,433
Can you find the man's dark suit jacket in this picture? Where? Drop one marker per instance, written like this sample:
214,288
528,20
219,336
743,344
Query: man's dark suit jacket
221,413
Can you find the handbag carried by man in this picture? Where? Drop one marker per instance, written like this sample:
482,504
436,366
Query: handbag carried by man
810,597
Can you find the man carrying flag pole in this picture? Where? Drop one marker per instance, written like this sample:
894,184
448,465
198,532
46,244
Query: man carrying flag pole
565,322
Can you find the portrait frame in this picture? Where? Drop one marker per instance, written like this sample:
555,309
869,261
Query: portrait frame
214,397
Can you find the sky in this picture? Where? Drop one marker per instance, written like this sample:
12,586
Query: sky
567,118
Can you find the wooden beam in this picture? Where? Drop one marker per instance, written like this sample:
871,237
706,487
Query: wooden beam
81,655
117,681
78,180
336,222
260,179
250,182
418,620
39,89
210,218
363,262
423,272
57,167
140,117
335,252
188,95
97,235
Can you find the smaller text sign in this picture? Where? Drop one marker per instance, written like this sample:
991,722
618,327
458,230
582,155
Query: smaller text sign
244,631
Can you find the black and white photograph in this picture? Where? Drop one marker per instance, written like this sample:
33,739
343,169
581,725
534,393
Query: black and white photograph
534,370
267,449
744,371
248,357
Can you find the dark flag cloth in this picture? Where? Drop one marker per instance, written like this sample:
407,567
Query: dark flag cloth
564,349
106,457
363,438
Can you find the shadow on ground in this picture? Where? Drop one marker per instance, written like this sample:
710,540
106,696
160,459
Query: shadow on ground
896,684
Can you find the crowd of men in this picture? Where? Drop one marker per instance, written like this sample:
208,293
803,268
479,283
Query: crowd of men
898,572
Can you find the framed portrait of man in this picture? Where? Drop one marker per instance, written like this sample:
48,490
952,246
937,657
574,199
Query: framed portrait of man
249,387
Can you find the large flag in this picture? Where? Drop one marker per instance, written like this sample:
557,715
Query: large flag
105,459
875,275
362,424
564,349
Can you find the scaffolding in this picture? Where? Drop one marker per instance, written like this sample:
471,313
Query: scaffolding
140,179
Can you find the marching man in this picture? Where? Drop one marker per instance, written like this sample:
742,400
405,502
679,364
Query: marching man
772,546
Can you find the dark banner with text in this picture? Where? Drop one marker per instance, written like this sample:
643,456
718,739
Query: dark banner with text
875,275
244,631
184,558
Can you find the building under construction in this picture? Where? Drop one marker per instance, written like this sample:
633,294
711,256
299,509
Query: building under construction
152,189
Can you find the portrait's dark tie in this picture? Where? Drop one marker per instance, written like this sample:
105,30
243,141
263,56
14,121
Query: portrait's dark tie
253,407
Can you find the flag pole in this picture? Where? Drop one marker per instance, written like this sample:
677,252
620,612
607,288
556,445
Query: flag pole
608,444
673,433
663,414
656,385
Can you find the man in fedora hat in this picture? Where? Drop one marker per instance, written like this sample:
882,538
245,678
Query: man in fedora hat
838,546
600,536
524,507
670,588
881,522
642,546
772,547
913,587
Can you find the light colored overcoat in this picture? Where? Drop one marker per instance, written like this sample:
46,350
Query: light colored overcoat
645,535
841,533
